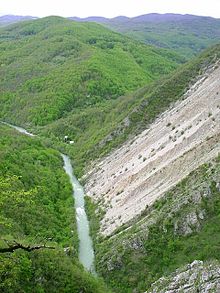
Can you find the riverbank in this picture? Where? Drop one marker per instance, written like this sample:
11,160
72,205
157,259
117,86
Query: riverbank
86,253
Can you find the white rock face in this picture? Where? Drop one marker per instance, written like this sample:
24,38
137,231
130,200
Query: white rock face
143,169
193,278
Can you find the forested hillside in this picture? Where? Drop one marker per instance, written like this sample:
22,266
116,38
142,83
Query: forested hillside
126,116
51,66
36,207
186,34
141,127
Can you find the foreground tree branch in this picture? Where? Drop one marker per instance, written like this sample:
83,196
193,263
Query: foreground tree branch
15,245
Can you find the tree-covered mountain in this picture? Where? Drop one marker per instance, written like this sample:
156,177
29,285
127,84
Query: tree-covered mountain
51,66
186,34
99,129
100,91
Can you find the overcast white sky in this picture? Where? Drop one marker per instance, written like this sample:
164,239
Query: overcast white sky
108,8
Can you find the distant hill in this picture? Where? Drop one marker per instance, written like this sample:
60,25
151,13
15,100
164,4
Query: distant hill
157,17
98,19
51,66
9,19
186,34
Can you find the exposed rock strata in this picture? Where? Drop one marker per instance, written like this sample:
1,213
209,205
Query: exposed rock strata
143,169
193,278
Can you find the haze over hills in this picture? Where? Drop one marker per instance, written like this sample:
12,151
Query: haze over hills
151,17
10,19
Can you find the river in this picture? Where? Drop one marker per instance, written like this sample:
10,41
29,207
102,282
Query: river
86,252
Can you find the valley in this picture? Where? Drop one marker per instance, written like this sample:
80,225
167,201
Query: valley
37,211
137,114
63,66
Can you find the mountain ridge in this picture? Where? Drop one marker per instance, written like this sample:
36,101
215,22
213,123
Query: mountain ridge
147,17
184,33
187,34
63,65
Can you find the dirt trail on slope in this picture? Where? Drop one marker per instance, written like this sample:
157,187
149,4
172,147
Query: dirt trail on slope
143,169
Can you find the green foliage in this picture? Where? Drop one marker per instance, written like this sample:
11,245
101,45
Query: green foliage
92,115
32,178
187,35
162,248
46,271
63,78
95,215
99,129
36,207
51,66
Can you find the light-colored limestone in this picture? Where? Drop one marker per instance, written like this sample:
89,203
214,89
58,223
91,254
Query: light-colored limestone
144,168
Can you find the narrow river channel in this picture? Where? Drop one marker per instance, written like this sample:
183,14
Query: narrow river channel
86,252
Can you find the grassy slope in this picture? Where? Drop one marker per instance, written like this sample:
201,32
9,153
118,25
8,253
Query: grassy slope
187,35
36,204
157,244
140,109
51,66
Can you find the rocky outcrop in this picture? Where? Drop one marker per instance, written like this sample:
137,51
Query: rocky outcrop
145,168
197,277
189,223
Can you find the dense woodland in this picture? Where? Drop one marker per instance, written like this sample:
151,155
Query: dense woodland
186,34
36,206
52,65
126,116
